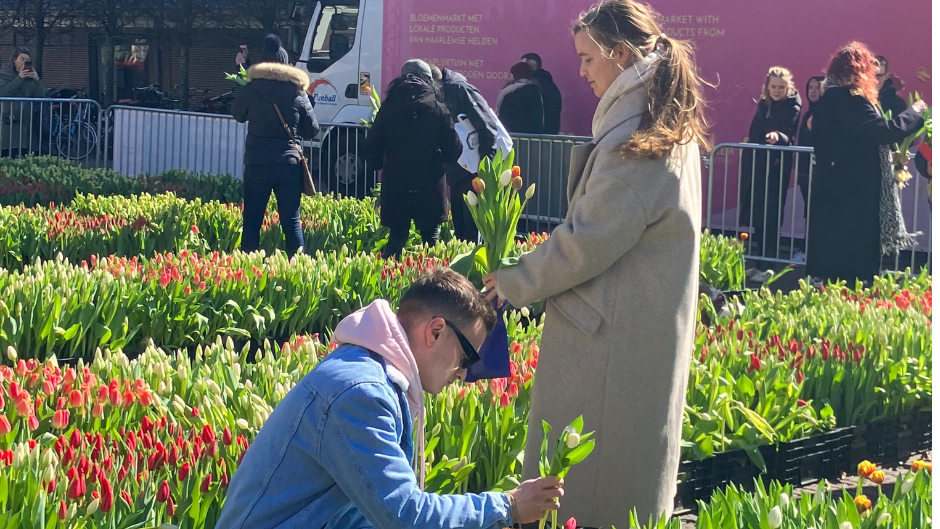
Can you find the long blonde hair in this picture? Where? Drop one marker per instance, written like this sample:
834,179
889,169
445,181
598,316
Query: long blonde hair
676,109
782,73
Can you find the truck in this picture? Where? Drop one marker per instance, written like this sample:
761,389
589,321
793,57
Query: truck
350,47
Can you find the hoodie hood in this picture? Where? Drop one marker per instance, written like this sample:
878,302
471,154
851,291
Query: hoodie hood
542,76
450,76
273,71
377,328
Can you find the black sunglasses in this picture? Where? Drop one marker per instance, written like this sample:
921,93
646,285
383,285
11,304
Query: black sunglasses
472,356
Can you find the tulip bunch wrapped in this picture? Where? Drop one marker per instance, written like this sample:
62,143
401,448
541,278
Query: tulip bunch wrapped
901,151
496,207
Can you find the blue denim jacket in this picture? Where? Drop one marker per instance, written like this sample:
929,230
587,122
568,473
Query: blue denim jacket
336,453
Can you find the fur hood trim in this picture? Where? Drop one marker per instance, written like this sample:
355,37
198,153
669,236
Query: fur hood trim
279,72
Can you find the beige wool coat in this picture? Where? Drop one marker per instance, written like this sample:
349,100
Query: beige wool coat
620,280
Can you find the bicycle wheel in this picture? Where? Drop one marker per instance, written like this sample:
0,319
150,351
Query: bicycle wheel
77,141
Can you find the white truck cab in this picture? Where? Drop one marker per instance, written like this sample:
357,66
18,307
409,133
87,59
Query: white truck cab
342,52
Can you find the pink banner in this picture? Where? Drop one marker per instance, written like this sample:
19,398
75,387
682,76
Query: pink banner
736,44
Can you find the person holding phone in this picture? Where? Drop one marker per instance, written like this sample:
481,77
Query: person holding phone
18,79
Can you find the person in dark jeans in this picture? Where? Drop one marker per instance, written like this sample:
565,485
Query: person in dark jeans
461,97
411,139
271,158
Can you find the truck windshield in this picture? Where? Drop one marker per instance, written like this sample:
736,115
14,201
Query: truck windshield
334,33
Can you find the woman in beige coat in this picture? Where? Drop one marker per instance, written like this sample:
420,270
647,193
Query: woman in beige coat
620,276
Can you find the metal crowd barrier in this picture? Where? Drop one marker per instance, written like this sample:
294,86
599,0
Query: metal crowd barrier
766,200
65,127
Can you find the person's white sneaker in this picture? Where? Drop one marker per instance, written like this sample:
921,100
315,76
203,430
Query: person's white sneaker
799,257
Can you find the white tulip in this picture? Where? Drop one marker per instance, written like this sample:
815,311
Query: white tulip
505,178
92,507
907,485
845,525
573,440
784,500
241,423
11,353
524,311
472,200
883,519
775,518
529,193
820,497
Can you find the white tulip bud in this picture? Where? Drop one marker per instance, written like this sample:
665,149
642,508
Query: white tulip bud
92,507
48,474
573,440
883,519
784,500
524,311
820,496
241,423
530,192
845,525
472,200
775,518
907,485
11,353
506,178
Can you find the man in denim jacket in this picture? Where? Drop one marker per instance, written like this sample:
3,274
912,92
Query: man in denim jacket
336,452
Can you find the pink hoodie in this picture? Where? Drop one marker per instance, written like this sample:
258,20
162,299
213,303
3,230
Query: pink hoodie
376,328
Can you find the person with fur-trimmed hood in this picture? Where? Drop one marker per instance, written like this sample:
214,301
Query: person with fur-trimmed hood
271,158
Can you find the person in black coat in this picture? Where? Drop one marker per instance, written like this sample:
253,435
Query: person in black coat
519,106
763,176
888,97
551,95
814,89
461,97
412,138
844,239
271,158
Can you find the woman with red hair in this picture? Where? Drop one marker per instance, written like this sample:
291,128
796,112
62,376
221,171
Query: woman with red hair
855,211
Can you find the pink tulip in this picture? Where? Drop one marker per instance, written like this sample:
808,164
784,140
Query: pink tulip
60,419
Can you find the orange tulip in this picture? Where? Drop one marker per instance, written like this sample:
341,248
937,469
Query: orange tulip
865,468
862,503
877,477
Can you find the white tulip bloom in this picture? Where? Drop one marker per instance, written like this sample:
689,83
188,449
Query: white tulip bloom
907,485
784,500
472,200
573,440
505,178
775,518
883,519
530,192
845,525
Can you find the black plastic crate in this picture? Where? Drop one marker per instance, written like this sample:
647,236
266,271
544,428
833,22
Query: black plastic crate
914,433
877,441
813,458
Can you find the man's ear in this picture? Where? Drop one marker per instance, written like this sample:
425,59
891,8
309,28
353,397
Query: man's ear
433,330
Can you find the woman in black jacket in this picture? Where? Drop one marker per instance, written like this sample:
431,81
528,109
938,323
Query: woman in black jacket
814,90
855,213
774,123
271,158
411,139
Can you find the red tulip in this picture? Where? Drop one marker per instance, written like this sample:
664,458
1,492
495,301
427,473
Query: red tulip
146,399
63,511
207,434
76,487
226,437
183,472
32,423
75,441
146,425
223,481
755,363
128,398
206,483
76,400
800,402
23,407
163,492
60,419
571,524
5,427
107,494
97,410
504,400
170,506
127,498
